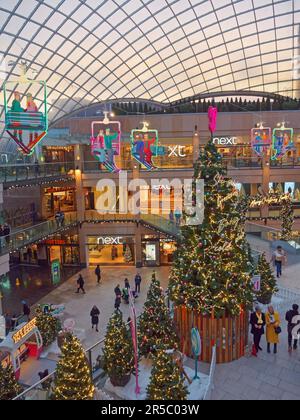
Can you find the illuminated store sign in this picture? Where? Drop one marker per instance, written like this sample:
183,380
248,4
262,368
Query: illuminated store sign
110,240
25,331
177,151
225,141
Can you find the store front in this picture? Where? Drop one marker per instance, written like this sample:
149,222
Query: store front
54,154
157,251
64,249
110,250
58,199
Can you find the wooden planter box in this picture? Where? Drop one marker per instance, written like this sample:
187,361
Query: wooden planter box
229,334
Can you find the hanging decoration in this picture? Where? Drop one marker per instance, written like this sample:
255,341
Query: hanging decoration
212,117
106,142
24,123
261,139
283,141
144,146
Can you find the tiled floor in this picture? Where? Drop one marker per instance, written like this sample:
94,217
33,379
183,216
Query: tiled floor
268,377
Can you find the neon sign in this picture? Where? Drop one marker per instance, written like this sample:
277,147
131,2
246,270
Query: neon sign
25,331
283,141
261,139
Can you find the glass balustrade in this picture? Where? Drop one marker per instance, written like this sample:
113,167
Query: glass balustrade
23,172
24,237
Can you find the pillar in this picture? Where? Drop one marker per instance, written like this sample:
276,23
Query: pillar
266,182
80,203
196,144
138,247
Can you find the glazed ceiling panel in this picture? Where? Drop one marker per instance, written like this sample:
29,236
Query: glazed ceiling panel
164,50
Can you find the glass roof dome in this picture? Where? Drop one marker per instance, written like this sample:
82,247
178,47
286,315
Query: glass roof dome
90,51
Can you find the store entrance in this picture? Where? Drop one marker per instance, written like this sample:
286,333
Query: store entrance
110,251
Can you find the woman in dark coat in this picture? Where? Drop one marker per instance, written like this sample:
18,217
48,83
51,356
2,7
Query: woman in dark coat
95,313
258,322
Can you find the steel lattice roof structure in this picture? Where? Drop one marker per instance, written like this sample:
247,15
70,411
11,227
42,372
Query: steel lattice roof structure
92,51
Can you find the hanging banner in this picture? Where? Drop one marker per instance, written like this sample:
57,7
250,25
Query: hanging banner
261,140
283,141
106,142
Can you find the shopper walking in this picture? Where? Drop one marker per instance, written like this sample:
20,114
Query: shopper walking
178,216
118,302
273,328
279,259
127,284
80,283
98,274
118,292
290,318
171,217
138,281
26,310
95,313
258,322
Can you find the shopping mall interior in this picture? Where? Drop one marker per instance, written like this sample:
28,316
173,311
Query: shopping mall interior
156,141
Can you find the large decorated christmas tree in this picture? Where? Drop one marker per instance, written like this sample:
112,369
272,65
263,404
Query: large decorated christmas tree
212,271
166,382
73,376
118,351
268,284
156,326
9,387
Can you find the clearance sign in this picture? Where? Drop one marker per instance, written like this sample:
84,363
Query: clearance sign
24,332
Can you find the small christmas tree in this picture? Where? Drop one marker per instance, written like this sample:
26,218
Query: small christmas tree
9,387
156,327
118,351
128,254
166,383
73,376
48,326
268,284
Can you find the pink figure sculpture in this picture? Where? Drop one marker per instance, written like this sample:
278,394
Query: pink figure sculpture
212,116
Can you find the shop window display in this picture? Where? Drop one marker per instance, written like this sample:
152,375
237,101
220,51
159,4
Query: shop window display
110,250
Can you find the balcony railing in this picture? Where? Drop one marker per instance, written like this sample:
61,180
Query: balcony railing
24,172
25,237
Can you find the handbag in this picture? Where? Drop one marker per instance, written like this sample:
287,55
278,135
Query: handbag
278,330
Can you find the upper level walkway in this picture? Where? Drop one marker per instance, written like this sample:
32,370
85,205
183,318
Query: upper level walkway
24,237
18,173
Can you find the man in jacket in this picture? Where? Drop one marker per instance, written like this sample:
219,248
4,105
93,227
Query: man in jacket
138,281
98,274
80,283
290,318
